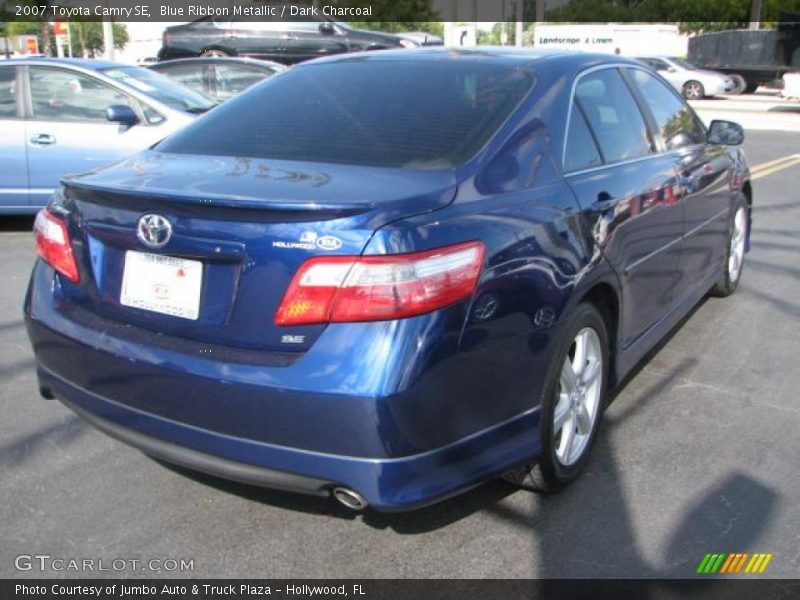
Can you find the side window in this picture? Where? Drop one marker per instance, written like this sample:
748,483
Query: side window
232,79
581,150
613,116
60,95
8,93
677,123
190,75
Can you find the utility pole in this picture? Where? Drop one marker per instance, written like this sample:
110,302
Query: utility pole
519,21
755,14
108,39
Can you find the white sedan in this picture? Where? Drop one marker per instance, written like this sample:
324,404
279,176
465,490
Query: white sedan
691,81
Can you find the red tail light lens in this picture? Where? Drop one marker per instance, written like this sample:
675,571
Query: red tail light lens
53,245
380,288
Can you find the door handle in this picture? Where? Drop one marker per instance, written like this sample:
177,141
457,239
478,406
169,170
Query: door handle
43,139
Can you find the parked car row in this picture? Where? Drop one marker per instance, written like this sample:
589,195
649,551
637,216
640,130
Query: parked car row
60,116
287,42
694,83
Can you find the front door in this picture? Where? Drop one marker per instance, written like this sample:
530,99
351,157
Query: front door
13,164
704,171
69,133
628,188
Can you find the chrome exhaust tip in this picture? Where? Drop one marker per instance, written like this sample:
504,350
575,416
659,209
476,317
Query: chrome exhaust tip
352,500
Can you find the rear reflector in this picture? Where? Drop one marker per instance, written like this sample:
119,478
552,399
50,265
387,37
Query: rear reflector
53,245
380,288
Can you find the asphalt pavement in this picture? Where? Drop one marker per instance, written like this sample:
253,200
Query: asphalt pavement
698,453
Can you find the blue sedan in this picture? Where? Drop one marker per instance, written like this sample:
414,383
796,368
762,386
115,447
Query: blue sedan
388,277
55,120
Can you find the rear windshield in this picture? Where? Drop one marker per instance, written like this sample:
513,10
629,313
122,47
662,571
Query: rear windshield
413,114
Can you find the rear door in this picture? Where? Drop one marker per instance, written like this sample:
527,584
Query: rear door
259,39
13,163
627,187
305,41
703,169
69,133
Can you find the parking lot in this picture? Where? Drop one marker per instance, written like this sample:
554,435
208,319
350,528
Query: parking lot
698,453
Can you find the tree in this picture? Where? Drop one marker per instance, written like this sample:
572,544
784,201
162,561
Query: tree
494,37
401,13
87,38
433,27
693,16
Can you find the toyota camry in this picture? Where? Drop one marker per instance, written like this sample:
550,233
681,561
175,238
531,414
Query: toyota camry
388,277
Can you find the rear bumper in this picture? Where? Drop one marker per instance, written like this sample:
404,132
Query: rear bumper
445,433
387,484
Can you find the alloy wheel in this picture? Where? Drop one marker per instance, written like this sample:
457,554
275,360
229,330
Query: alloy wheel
736,252
579,393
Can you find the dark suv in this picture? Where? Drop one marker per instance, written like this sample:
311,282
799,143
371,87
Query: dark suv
287,42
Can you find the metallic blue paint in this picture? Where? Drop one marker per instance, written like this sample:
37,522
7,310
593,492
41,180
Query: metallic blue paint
405,412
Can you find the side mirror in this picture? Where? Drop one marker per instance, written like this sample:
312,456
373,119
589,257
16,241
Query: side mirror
726,133
327,28
122,113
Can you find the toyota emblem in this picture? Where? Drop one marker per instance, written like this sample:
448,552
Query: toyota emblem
154,231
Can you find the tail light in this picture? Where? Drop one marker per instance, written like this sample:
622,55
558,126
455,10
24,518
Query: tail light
53,245
378,288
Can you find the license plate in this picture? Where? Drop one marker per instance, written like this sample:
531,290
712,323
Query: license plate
162,284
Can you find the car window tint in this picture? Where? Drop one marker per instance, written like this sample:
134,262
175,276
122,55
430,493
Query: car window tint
232,79
190,75
8,93
677,123
414,114
62,95
581,151
613,115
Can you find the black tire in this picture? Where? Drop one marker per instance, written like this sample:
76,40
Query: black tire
730,281
741,84
694,90
216,53
751,88
548,473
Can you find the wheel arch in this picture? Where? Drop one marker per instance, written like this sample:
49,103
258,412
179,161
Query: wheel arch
604,296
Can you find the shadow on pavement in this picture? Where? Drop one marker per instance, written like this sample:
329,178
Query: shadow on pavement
16,223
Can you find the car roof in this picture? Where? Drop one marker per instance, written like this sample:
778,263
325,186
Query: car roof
92,64
217,59
501,55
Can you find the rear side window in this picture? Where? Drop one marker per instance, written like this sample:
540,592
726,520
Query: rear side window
414,114
190,75
613,116
8,93
581,151
232,79
676,122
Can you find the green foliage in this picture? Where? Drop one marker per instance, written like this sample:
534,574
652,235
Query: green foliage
694,16
494,37
396,12
87,37
433,27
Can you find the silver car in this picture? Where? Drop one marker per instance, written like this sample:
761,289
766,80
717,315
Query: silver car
62,116
691,81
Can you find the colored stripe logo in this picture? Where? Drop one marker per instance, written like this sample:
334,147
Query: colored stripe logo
734,563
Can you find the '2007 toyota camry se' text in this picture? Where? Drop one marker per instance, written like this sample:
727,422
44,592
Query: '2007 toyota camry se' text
389,276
